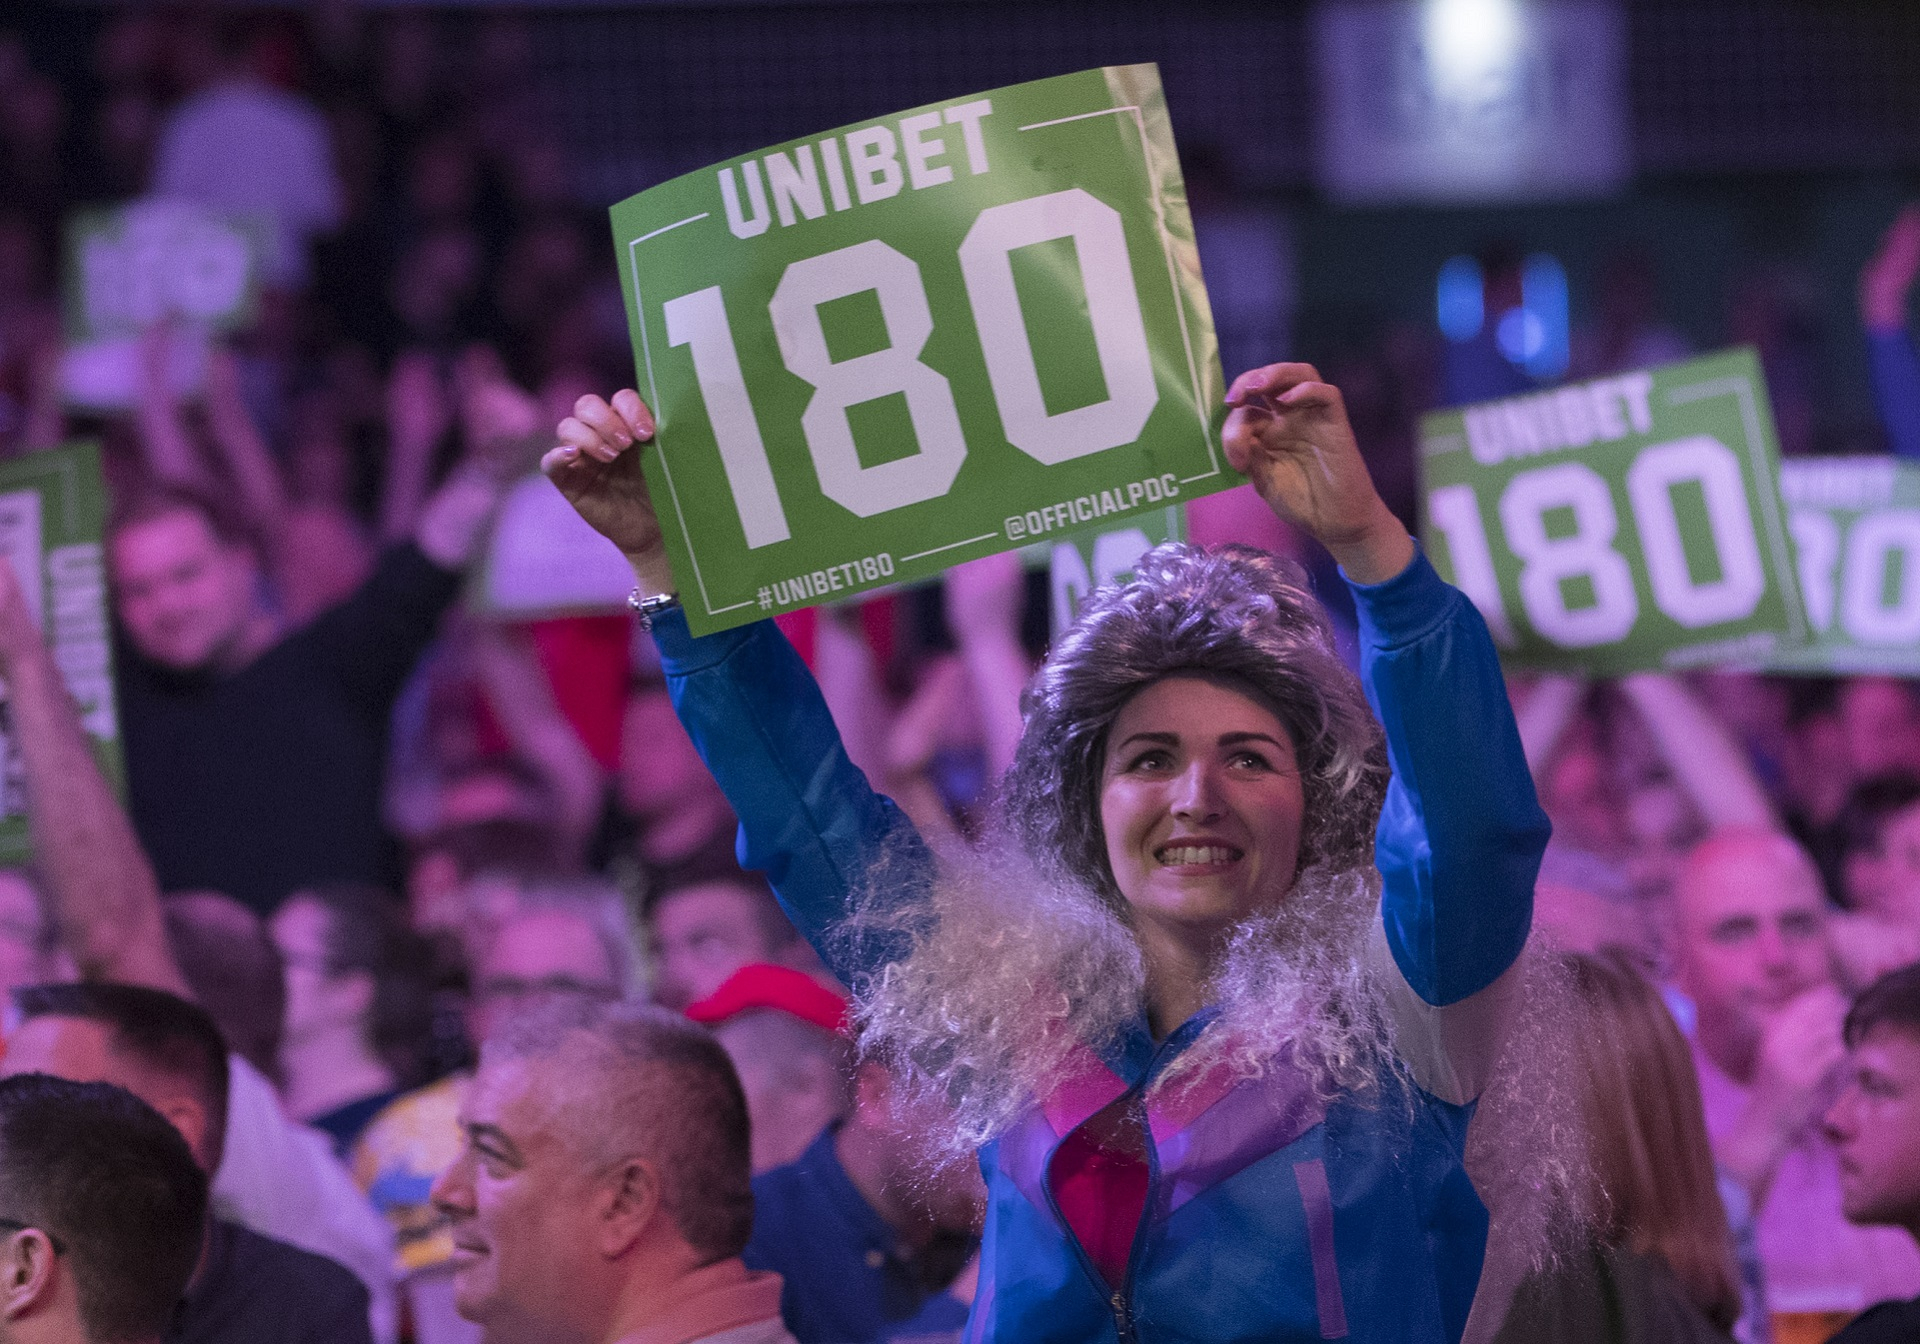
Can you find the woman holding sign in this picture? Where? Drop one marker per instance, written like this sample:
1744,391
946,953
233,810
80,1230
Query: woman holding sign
1216,1039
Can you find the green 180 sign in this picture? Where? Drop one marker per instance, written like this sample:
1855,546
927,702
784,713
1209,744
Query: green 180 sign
878,352
1622,523
1856,533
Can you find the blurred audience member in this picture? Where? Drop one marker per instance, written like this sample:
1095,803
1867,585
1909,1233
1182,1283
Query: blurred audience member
359,1006
106,1212
30,952
1753,956
168,1053
244,146
229,961
538,954
1875,1126
706,920
786,1034
1658,1264
663,786
1886,289
1879,930
870,1237
1628,331
274,1176
602,1192
445,864
232,728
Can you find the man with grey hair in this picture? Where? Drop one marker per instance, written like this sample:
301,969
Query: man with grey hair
603,1191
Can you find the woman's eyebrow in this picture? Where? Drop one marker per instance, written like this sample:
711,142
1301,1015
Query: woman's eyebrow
1234,739
1158,739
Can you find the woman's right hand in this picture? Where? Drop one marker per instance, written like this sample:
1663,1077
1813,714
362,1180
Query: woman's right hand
598,470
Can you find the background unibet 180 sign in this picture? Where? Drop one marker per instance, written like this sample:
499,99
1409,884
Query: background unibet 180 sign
881,351
1622,523
1855,523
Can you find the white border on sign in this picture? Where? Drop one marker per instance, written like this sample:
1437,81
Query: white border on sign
1173,283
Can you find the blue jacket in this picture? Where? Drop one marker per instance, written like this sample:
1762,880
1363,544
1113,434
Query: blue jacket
1268,1217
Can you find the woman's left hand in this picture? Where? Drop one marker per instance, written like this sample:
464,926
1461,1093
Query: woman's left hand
1288,432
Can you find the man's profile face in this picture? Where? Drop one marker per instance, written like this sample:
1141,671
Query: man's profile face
1752,930
1875,1128
184,597
521,1204
701,936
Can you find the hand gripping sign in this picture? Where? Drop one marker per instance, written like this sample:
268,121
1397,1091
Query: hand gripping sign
1619,524
881,351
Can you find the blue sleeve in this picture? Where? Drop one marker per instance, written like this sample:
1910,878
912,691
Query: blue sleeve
1461,835
1896,389
808,818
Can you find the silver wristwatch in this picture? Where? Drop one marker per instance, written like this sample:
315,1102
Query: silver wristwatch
646,608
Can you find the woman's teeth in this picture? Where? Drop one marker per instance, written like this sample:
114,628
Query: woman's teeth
1180,856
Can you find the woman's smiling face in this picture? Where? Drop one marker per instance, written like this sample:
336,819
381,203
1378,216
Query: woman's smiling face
1201,803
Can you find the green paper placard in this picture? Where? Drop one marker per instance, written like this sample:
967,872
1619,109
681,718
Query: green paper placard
880,351
137,264
1620,524
1855,523
52,515
1078,564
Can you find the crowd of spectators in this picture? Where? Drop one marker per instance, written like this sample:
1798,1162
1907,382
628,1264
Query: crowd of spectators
396,879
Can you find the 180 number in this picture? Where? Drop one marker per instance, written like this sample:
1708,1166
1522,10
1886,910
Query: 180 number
699,322
1548,563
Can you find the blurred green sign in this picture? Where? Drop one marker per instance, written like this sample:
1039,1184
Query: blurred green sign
1098,557
1855,523
881,351
137,264
1623,523
52,513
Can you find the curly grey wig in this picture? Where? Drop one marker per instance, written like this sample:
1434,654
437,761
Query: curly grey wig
1234,613
1026,945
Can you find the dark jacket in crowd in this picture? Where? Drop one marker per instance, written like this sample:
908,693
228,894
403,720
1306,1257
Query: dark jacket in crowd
268,780
1888,1323
255,1290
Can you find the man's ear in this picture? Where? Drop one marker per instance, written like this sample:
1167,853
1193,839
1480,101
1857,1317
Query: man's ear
630,1202
28,1274
188,1114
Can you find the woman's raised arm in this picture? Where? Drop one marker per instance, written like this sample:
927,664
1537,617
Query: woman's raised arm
808,817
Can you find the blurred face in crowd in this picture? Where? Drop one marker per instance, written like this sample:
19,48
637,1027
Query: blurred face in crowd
1751,932
1880,727
660,772
1895,895
792,1074
537,954
1201,803
318,1000
186,598
81,1050
1875,1128
702,934
1580,797
522,1203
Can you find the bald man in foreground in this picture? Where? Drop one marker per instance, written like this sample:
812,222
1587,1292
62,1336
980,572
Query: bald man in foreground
1752,952
603,1194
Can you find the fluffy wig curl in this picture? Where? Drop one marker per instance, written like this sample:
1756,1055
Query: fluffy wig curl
1234,613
